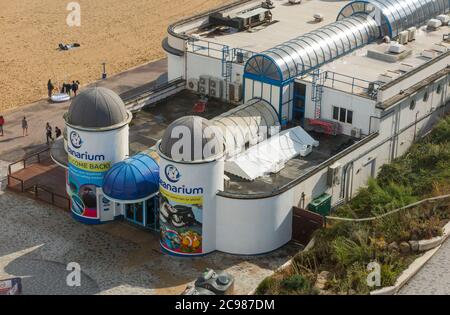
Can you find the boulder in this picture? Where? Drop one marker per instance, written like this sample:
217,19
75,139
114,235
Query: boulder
414,245
405,248
393,246
322,280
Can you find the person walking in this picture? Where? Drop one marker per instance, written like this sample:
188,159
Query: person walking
75,87
57,132
50,88
2,122
48,133
24,127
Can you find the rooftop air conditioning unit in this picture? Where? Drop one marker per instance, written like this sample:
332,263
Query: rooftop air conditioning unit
356,133
215,87
429,53
333,174
433,24
203,85
444,18
403,37
412,33
192,85
406,67
396,48
235,92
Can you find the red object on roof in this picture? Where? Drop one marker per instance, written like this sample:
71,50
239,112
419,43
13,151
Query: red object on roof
324,126
200,107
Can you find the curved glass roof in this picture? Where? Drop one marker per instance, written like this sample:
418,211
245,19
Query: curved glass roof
306,52
132,180
394,16
252,121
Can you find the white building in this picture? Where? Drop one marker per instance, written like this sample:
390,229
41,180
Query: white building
374,74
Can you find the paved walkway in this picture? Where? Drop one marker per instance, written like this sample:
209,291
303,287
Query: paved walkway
115,258
14,147
434,277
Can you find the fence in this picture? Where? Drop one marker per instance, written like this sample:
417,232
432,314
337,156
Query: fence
141,98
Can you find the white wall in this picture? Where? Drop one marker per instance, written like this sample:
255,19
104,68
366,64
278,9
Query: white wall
198,65
253,226
362,108
175,67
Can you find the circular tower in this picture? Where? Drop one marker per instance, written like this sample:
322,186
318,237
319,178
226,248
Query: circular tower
191,173
97,137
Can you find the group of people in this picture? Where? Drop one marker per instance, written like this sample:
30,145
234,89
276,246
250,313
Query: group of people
48,129
67,88
49,133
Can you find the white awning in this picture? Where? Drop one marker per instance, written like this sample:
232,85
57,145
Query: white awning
271,155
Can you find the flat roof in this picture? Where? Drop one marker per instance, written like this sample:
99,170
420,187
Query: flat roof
290,21
359,65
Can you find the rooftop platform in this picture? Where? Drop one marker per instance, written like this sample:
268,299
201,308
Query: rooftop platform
368,69
289,21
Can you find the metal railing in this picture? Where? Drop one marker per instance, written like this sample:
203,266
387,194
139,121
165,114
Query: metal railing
215,50
37,190
28,160
141,97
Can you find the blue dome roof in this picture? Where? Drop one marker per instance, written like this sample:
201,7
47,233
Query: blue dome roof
133,179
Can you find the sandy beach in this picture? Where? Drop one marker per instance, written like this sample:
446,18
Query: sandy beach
122,33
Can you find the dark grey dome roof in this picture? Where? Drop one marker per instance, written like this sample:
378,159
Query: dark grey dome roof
97,107
211,140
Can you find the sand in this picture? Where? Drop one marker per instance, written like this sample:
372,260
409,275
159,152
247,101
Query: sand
122,33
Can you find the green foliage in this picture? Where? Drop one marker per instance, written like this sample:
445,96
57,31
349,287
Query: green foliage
346,248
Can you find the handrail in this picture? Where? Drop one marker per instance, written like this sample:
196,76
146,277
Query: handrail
36,188
24,160
17,179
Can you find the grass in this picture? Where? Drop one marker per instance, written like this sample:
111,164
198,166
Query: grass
346,248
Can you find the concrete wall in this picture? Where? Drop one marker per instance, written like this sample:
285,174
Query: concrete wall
254,226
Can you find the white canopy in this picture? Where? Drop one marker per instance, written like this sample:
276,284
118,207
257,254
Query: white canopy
271,155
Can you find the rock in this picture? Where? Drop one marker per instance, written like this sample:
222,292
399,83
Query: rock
414,245
322,280
405,248
393,246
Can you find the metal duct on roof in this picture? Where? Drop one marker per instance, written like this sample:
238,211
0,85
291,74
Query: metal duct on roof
247,124
394,16
303,53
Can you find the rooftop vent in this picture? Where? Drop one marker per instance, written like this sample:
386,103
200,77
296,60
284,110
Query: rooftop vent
396,48
406,67
385,78
433,24
429,53
318,17
444,18
440,47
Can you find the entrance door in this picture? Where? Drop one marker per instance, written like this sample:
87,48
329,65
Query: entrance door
298,110
135,213
152,213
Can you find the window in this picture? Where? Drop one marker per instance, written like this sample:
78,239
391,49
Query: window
412,105
425,96
349,117
343,115
335,113
439,89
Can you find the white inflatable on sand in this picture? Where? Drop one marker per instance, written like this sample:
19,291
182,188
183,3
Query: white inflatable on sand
60,97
